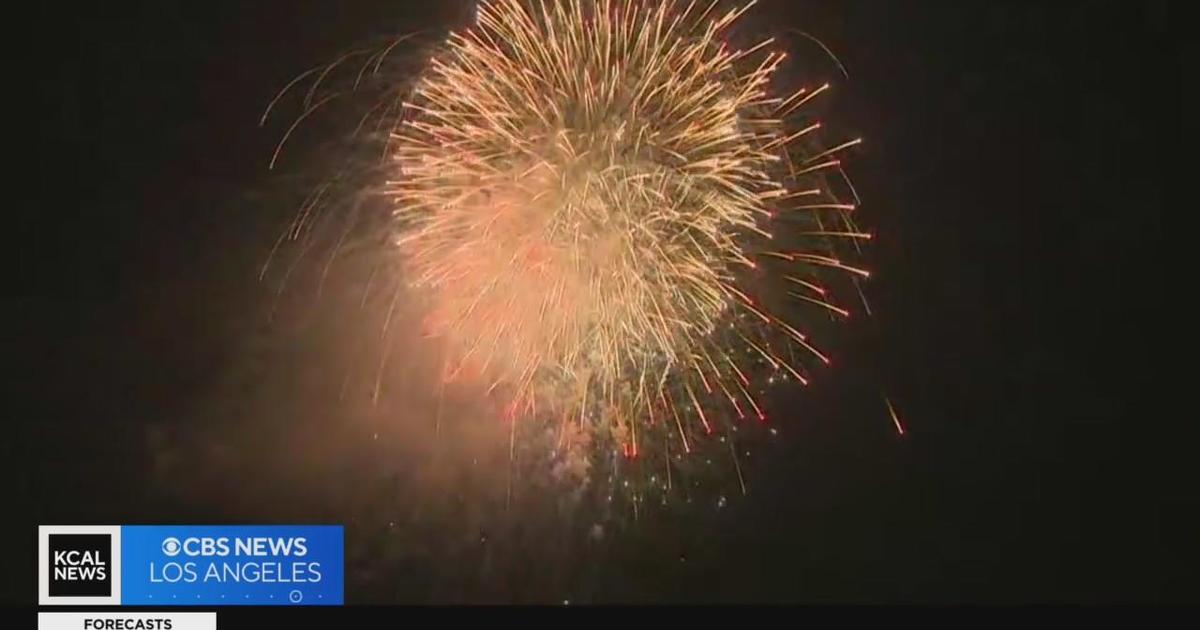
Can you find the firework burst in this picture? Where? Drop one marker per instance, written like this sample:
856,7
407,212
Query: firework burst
606,209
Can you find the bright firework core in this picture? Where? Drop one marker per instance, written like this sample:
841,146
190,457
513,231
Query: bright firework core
594,196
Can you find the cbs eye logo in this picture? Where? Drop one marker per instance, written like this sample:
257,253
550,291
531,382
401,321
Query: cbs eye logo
171,546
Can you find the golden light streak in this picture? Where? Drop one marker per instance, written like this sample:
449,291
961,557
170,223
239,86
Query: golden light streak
895,418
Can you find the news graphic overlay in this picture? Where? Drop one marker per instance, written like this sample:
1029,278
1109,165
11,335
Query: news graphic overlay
232,565
192,565
79,564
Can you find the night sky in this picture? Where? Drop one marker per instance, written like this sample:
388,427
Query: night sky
1013,171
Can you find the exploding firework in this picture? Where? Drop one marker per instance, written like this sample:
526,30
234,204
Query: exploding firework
615,220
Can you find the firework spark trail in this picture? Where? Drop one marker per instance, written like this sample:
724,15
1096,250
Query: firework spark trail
581,188
895,418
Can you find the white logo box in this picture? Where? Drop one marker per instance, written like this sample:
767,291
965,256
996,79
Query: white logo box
44,598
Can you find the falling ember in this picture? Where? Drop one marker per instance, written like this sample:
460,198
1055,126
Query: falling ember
895,418
603,205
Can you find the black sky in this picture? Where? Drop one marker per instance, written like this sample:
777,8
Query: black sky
1013,171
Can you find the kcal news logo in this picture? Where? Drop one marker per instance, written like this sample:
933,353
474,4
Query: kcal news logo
79,564
191,565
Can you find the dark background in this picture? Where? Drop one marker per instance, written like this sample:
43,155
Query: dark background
1014,171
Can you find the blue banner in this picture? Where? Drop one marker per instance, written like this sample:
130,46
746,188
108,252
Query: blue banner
198,565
